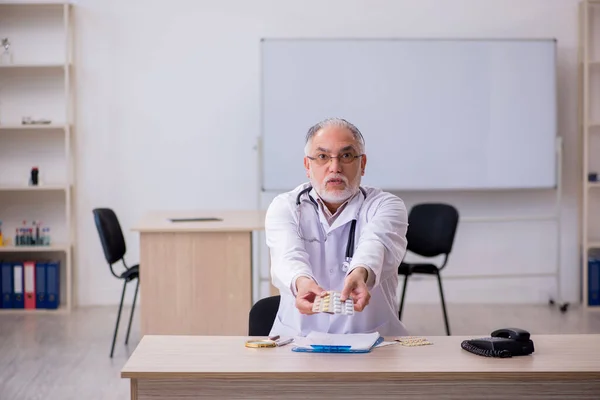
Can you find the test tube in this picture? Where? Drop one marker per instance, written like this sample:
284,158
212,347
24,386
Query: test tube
37,233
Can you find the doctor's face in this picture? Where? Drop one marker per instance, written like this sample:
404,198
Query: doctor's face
334,165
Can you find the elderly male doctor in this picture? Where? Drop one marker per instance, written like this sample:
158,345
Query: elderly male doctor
309,234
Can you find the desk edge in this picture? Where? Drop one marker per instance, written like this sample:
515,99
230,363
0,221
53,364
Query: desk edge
377,375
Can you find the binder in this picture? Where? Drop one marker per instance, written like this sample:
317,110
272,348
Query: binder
6,275
335,349
339,343
40,285
594,281
52,284
18,295
29,287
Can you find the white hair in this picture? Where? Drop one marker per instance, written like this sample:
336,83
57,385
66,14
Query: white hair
338,122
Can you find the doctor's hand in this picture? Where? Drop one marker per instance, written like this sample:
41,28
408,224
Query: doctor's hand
308,290
355,286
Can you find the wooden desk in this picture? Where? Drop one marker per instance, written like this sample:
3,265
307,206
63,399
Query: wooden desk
169,367
196,277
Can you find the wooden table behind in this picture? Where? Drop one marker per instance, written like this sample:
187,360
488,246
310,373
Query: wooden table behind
196,277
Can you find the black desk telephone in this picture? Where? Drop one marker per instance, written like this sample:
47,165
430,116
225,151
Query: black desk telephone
503,343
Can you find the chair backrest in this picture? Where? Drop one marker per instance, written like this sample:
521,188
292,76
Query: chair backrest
262,316
431,229
111,236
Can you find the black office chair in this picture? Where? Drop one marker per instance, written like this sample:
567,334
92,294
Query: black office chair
262,316
113,244
431,230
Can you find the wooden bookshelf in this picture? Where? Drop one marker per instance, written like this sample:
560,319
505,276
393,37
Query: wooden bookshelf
36,81
589,123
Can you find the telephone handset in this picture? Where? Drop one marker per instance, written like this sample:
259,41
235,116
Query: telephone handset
503,343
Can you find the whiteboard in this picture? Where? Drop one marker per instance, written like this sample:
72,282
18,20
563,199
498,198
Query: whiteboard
435,114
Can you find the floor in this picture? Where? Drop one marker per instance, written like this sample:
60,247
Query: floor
67,356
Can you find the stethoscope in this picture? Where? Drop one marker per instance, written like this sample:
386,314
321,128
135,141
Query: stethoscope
351,234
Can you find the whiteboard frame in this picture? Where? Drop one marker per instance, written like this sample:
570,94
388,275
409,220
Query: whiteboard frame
260,139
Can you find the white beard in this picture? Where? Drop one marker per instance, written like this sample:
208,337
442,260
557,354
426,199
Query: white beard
335,196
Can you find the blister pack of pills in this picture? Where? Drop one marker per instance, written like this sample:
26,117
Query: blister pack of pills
412,341
331,303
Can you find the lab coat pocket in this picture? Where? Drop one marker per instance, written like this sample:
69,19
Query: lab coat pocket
287,322
311,232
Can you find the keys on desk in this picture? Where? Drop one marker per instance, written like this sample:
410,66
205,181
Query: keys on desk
273,341
330,303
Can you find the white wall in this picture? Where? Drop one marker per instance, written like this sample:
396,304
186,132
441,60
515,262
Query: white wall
168,115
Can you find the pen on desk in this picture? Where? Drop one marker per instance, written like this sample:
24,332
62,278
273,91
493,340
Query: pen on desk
284,342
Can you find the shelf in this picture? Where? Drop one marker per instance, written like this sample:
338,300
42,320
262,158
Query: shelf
32,127
21,311
34,3
45,188
32,66
589,67
59,247
38,81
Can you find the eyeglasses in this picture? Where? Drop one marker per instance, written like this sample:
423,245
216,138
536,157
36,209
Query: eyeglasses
346,158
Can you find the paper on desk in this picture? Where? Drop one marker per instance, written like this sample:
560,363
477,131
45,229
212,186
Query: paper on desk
383,344
356,341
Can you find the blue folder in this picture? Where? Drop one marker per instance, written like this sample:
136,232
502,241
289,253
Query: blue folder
6,276
52,285
315,348
593,281
40,285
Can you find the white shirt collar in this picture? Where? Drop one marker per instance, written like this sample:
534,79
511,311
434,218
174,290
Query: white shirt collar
330,218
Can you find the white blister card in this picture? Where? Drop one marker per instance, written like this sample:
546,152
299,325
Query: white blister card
331,303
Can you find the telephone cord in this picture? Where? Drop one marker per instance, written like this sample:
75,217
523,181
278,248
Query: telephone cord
483,352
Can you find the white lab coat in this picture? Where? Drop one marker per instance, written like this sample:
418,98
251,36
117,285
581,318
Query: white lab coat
380,244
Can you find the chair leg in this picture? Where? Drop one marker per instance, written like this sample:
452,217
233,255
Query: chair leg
137,286
443,304
403,294
112,349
